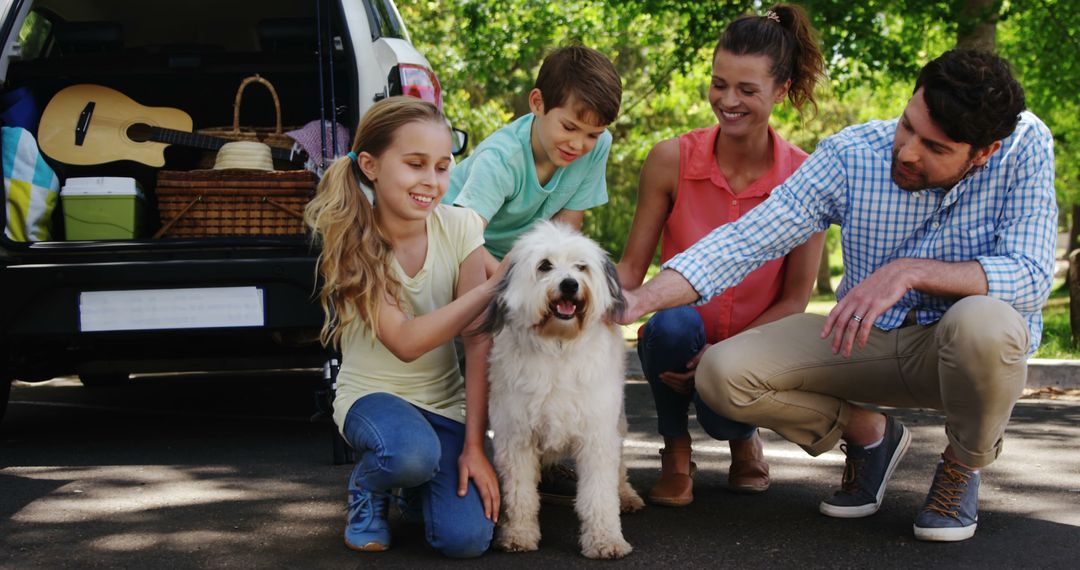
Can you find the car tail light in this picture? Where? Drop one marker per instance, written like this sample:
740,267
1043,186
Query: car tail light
415,81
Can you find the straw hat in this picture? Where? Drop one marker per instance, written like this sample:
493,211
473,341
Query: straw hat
244,155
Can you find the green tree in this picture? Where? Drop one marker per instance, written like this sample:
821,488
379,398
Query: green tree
487,52
1042,40
660,48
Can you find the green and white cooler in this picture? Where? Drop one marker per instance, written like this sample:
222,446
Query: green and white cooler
102,208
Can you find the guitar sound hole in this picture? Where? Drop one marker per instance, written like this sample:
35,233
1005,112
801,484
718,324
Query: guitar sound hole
140,132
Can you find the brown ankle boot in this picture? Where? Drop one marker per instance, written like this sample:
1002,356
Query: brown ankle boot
748,472
673,489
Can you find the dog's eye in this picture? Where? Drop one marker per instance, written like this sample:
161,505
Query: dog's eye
581,267
544,266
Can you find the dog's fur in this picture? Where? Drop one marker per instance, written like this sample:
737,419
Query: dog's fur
557,375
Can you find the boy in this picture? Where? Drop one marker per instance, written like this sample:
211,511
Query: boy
549,164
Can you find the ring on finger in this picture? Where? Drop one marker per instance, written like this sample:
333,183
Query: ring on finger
857,318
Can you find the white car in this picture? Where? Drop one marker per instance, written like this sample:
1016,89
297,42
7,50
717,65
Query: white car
108,306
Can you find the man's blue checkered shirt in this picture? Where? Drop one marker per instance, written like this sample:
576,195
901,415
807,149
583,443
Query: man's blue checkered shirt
1004,215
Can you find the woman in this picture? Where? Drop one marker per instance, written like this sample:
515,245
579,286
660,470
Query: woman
705,178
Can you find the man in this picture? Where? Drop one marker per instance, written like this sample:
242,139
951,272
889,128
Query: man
948,222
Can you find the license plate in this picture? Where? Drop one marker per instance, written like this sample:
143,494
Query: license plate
160,309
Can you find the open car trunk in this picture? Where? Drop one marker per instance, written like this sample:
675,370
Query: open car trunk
155,299
122,67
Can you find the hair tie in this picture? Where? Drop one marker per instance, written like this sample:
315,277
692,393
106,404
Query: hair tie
351,155
772,16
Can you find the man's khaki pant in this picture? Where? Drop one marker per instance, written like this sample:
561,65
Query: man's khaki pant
971,364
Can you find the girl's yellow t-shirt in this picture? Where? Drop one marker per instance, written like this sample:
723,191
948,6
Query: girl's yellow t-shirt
433,381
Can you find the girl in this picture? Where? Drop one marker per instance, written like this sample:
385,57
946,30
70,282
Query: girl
402,278
696,182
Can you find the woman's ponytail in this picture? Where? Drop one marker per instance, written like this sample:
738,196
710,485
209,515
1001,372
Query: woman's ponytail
785,34
807,65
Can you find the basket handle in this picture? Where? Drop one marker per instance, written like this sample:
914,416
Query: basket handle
176,218
240,95
284,208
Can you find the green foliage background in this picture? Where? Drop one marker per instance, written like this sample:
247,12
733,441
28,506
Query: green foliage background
486,54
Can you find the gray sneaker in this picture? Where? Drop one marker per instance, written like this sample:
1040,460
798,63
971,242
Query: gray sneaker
951,510
866,473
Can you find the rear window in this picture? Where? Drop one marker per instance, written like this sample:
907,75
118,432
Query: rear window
33,35
384,20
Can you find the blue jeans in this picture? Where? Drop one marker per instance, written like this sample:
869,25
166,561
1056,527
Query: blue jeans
400,445
669,340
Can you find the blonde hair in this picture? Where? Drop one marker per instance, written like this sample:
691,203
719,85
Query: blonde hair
356,256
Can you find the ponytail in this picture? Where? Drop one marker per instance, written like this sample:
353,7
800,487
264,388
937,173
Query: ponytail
356,257
786,35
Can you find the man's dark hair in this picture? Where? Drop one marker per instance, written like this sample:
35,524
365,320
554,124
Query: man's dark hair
585,73
972,96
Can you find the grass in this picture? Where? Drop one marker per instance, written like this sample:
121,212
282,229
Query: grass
1057,339
821,304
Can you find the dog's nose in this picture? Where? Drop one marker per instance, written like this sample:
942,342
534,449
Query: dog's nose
568,286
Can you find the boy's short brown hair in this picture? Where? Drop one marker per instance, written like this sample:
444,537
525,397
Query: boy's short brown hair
585,73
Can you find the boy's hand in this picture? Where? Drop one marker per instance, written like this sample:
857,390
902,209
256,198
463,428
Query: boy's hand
473,464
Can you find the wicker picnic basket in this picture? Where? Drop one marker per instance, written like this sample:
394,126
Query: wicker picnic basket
213,203
274,137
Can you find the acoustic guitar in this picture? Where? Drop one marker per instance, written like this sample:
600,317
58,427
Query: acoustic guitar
92,124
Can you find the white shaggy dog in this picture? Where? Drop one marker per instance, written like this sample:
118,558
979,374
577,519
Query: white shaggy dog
556,375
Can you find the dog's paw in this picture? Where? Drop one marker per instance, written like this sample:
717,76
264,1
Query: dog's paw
629,500
517,540
607,548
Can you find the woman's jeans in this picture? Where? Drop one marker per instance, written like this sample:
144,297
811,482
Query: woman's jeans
402,446
669,340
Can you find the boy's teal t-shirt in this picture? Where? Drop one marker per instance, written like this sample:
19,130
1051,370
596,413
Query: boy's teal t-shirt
498,180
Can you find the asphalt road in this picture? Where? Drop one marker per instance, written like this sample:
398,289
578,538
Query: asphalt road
229,472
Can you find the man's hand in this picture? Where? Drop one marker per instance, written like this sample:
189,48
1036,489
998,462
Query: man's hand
665,290
683,382
853,316
473,464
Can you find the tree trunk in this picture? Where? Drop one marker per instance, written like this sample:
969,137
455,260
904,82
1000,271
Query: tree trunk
1074,230
1074,294
824,276
977,24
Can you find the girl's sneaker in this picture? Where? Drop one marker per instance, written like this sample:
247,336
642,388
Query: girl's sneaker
366,528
